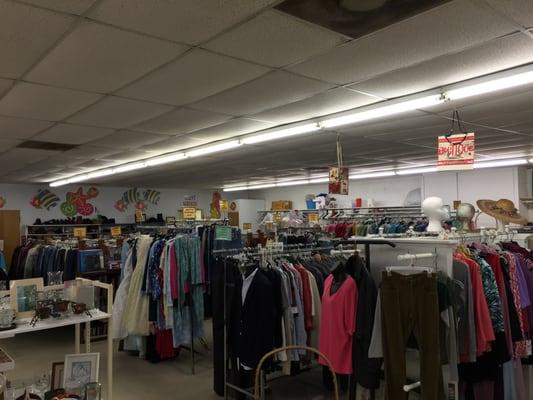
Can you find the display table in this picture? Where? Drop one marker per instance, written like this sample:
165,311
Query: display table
23,326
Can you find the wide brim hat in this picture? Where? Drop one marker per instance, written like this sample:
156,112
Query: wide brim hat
503,210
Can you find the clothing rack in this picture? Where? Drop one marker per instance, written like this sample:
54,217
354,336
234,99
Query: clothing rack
226,253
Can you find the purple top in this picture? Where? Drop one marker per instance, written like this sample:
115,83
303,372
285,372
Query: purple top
525,300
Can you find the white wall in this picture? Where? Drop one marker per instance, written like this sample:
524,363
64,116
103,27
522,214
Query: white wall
467,186
18,197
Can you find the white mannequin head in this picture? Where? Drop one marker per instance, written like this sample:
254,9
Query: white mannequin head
465,213
433,208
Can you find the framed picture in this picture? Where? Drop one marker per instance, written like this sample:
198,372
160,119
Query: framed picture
58,370
81,369
23,293
90,260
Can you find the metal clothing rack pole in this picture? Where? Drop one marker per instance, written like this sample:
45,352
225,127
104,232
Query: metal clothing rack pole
227,253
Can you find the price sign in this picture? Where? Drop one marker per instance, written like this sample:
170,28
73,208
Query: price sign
313,218
189,213
139,217
456,152
224,205
223,233
247,226
116,231
80,232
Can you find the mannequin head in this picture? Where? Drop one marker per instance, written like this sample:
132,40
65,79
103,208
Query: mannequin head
465,213
433,208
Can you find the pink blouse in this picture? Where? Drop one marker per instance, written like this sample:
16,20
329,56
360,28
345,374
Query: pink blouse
338,324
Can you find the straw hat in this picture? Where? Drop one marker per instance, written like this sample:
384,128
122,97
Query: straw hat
503,210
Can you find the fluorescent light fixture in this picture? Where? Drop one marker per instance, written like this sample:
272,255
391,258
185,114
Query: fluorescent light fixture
412,171
383,111
531,160
491,86
129,167
214,148
500,163
293,183
319,180
280,133
372,175
59,183
165,159
78,178
262,186
99,173
235,189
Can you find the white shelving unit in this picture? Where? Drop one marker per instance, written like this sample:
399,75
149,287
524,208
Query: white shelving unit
23,326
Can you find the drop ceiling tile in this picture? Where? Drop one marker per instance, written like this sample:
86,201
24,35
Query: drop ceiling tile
128,156
72,134
449,28
44,102
127,140
94,164
19,128
196,75
102,58
188,21
520,11
26,155
275,39
26,33
117,112
180,121
87,152
6,144
174,144
332,101
5,84
60,161
497,55
77,7
229,129
272,90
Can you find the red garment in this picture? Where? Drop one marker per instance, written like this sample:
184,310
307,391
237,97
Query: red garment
338,324
308,306
164,345
174,289
484,330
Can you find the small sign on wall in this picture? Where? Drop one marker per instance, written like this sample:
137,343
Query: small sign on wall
189,213
116,231
80,232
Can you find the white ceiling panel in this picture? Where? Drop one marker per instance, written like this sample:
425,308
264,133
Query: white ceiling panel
44,102
235,127
92,164
87,152
332,101
6,144
117,112
127,156
269,91
26,155
4,85
19,128
127,140
72,134
26,33
275,39
77,7
195,75
180,121
408,42
173,144
188,21
60,161
520,11
494,56
101,58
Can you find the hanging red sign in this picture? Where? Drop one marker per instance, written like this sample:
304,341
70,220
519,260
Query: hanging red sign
456,152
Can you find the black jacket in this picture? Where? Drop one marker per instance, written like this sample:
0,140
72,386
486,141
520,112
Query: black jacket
252,327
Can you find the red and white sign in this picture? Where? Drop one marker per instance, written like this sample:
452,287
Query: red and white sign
456,152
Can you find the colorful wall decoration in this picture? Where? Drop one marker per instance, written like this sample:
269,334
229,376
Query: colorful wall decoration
77,202
44,199
215,205
139,200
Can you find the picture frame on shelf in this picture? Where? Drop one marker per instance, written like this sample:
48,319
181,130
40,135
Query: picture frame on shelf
81,369
23,296
58,371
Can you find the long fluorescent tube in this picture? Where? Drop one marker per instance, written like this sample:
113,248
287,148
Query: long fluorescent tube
250,187
293,183
500,163
59,183
129,167
491,86
78,178
319,180
165,159
100,173
372,175
383,111
214,148
280,133
235,189
412,171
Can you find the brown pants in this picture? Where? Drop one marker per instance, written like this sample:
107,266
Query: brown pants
409,303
